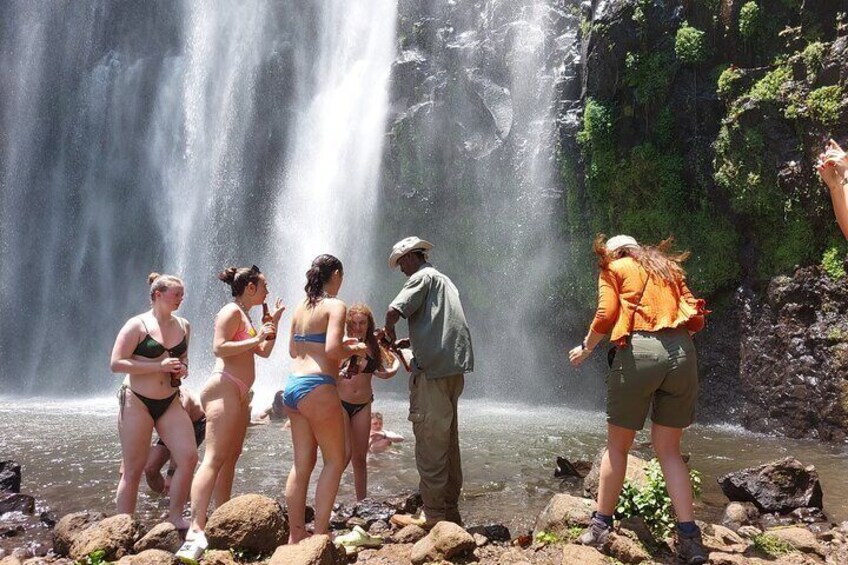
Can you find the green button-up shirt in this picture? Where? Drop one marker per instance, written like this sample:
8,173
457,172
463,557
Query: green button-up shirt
441,342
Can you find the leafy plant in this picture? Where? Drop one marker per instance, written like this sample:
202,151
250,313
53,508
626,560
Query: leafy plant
546,538
771,85
750,20
771,545
648,74
727,81
833,262
690,45
97,557
813,55
652,502
824,104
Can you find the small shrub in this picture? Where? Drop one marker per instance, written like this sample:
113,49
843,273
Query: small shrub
824,104
95,558
750,20
771,86
546,538
652,502
597,124
727,81
813,55
771,545
649,75
690,45
833,262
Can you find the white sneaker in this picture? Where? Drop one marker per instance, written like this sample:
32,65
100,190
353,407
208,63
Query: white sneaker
192,550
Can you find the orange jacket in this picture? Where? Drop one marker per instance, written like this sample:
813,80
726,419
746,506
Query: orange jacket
663,305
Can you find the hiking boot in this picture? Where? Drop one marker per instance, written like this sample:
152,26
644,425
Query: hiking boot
690,548
596,534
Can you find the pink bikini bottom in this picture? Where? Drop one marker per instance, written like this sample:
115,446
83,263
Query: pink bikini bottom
237,382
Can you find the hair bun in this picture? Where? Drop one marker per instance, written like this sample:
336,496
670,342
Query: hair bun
152,277
228,275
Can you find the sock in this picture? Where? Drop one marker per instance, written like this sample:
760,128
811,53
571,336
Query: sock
602,519
687,528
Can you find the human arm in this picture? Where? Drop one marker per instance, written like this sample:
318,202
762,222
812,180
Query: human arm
227,323
695,323
408,301
266,347
606,315
833,170
122,353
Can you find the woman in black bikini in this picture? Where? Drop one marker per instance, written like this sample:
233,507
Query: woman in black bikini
152,350
356,393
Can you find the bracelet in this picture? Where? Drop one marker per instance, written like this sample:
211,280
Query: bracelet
583,346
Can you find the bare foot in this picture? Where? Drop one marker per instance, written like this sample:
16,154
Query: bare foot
298,533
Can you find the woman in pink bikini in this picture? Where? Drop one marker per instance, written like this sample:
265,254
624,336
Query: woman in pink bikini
224,396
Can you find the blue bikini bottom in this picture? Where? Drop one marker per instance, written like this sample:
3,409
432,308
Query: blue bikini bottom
298,386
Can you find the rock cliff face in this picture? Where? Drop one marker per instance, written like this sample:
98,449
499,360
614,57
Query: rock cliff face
716,110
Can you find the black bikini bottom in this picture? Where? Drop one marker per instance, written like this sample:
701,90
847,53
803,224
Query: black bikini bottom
353,409
155,406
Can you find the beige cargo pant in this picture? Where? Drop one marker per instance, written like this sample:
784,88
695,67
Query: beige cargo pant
433,413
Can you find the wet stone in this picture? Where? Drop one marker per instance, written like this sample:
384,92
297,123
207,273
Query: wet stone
371,511
494,532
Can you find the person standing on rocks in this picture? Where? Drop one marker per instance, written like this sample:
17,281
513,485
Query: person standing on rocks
442,354
152,350
833,169
647,308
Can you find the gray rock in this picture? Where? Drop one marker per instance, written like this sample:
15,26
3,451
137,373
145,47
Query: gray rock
16,502
493,532
738,514
779,486
562,512
445,541
10,476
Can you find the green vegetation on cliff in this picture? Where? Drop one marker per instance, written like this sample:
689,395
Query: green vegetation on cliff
711,131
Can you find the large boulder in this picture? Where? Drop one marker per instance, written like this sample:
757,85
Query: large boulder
563,512
801,539
162,536
445,541
409,534
69,526
16,502
779,486
572,553
625,549
314,550
251,523
149,557
114,535
635,473
10,476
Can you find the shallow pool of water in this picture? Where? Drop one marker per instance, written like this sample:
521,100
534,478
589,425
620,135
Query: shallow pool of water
70,456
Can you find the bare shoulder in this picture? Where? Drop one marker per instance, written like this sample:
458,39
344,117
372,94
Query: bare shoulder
229,311
335,305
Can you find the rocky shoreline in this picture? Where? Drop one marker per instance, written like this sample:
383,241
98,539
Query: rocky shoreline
773,515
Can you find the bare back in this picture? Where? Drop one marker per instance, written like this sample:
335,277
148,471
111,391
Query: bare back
325,317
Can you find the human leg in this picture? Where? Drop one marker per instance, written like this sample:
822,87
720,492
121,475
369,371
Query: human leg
224,485
222,406
156,459
360,431
135,428
454,486
175,429
431,414
305,454
322,409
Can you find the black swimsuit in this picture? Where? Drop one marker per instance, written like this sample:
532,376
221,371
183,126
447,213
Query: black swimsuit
150,348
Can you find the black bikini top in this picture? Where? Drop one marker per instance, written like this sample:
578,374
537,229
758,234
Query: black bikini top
150,348
371,364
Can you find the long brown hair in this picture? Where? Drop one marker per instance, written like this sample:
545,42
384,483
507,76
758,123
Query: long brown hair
658,260
370,339
317,276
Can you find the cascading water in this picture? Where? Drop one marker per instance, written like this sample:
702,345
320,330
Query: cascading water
179,139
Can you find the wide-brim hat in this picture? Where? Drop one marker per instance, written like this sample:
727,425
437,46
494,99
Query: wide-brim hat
619,241
406,245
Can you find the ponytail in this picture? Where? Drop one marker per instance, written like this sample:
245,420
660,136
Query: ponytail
317,276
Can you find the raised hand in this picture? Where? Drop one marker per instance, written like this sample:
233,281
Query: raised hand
278,310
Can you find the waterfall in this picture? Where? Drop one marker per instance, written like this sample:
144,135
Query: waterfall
179,138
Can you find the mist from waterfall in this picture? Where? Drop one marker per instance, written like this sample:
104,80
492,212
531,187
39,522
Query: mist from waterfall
179,138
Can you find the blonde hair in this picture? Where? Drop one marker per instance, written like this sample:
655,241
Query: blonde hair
378,415
658,260
162,283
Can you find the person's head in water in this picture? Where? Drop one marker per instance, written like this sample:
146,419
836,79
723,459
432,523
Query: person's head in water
166,291
409,254
659,261
247,284
376,421
324,277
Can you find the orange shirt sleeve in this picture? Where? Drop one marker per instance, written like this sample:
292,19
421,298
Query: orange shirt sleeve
608,303
695,323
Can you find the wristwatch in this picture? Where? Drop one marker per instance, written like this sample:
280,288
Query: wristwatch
583,346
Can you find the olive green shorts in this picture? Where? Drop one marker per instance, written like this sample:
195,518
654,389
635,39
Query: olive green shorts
657,368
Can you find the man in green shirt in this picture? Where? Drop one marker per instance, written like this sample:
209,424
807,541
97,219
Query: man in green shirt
442,354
